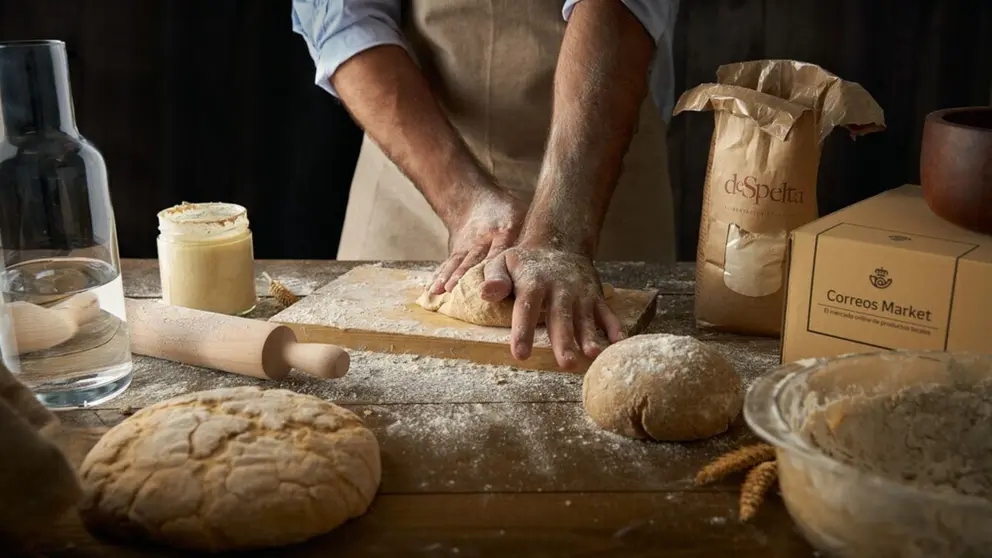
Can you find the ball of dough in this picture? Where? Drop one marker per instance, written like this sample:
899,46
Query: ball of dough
231,469
663,387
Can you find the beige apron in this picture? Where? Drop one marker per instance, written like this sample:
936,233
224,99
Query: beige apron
491,65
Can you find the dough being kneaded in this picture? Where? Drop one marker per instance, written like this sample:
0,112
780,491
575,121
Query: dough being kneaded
663,387
465,301
231,469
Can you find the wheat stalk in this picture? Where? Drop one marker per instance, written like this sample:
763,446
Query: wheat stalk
738,460
757,483
280,291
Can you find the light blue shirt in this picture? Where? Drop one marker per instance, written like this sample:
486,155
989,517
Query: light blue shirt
336,30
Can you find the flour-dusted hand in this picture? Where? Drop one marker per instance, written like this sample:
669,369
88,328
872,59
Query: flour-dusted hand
565,285
488,224
600,84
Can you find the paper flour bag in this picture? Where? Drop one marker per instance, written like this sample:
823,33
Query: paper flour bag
771,117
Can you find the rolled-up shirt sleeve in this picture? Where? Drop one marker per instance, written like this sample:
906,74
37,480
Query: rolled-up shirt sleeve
336,30
658,18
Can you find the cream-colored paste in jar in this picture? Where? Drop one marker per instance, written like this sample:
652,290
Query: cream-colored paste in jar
206,258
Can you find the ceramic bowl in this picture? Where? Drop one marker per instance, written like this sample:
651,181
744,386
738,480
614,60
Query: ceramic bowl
849,512
956,166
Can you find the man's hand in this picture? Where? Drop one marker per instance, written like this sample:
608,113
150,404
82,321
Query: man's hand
565,286
388,96
488,224
600,82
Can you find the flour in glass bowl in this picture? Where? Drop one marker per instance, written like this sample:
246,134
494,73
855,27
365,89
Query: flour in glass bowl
932,443
933,437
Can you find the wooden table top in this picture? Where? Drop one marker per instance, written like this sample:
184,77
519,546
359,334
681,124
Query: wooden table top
493,461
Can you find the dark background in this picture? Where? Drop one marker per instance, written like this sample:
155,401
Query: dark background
213,100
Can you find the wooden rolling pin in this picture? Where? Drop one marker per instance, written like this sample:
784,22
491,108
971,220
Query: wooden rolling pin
227,343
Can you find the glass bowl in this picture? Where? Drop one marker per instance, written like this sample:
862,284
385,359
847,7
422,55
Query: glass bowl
845,511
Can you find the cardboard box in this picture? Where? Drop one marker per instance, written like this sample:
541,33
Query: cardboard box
886,273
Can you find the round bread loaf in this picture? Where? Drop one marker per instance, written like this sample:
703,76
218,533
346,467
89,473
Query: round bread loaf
664,387
231,469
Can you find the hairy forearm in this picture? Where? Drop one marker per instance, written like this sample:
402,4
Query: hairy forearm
600,83
389,98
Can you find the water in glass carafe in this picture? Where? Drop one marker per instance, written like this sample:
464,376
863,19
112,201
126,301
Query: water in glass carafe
63,329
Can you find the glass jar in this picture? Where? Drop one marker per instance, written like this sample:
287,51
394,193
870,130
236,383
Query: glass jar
206,259
63,330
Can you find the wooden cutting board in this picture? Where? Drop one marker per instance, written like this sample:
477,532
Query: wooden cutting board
374,308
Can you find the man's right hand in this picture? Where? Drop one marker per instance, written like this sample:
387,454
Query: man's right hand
486,223
388,96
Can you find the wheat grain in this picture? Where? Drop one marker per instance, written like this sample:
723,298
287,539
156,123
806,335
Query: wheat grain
757,483
280,292
738,460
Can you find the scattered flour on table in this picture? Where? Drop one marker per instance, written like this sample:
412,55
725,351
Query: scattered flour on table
167,390
751,358
376,378
401,397
157,380
463,437
404,378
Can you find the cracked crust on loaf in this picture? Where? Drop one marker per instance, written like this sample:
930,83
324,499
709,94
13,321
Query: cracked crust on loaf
228,469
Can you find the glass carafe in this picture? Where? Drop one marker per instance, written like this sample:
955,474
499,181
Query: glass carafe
63,330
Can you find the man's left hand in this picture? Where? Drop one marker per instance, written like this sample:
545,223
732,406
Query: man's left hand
563,284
